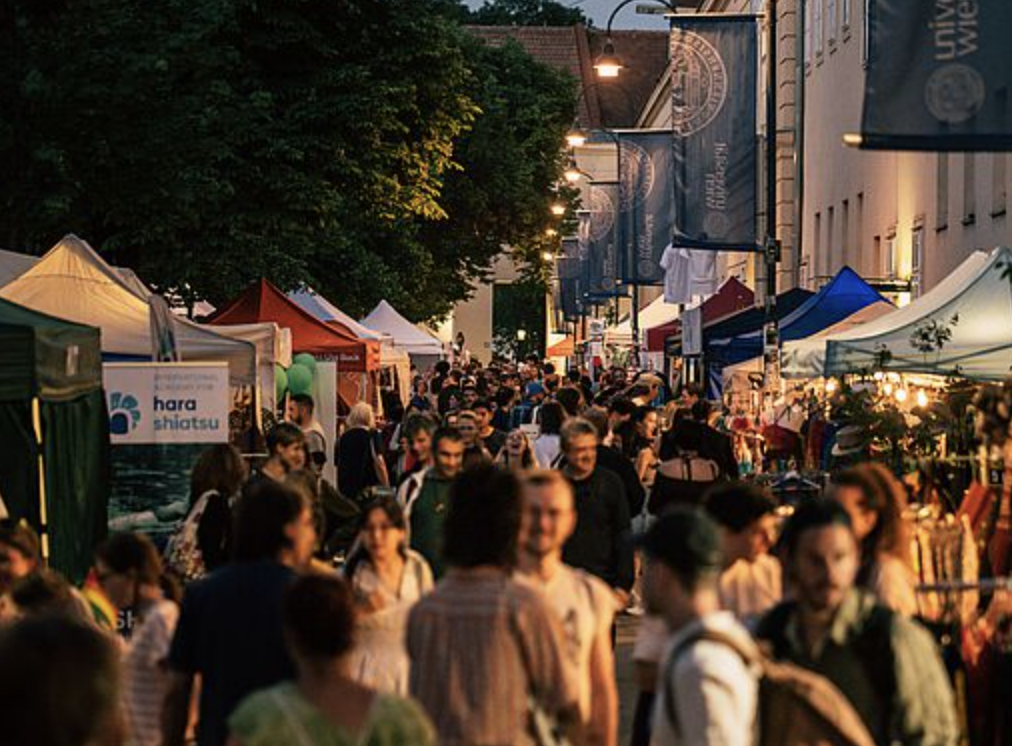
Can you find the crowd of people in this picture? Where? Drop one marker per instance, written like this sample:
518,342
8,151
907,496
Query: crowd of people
460,583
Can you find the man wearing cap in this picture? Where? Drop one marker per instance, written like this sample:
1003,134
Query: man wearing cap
523,413
707,693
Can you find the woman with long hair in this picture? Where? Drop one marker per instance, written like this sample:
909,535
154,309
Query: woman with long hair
129,572
684,476
386,578
875,500
517,453
360,463
215,484
548,445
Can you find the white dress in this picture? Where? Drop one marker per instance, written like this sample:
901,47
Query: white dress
379,658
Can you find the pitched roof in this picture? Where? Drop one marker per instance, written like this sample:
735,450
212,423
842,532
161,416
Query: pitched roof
574,49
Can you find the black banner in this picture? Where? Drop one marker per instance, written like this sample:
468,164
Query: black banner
568,268
597,234
939,74
713,97
646,210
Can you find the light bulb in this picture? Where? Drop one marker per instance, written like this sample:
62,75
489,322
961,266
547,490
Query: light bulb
558,210
879,375
922,399
830,386
901,395
887,389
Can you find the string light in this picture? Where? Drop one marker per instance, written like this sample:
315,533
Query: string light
879,375
922,399
830,386
901,395
887,389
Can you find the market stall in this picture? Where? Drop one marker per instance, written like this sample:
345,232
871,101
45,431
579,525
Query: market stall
423,348
54,433
73,282
357,359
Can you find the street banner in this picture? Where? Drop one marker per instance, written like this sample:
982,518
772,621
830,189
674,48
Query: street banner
598,234
646,208
167,402
713,96
939,75
569,276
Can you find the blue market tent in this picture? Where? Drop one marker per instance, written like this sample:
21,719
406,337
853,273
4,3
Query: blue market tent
844,295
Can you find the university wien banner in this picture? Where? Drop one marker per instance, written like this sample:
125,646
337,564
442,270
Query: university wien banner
646,210
938,75
598,233
713,114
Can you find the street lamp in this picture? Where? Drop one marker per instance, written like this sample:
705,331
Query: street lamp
572,174
608,65
521,334
576,138
558,209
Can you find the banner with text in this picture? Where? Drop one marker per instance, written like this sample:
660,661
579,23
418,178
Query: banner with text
598,234
713,97
646,209
939,75
167,402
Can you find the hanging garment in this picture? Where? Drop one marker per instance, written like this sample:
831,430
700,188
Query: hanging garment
688,273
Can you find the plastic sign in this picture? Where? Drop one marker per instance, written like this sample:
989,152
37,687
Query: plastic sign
167,402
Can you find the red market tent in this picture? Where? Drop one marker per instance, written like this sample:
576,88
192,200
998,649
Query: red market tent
731,297
358,360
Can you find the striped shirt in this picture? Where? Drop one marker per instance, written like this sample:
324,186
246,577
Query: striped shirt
146,678
480,645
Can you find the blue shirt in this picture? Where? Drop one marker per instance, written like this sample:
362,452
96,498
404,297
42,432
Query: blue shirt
229,632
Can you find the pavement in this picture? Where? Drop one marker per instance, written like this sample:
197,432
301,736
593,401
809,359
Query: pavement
625,675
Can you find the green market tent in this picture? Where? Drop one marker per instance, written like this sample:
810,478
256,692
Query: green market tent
54,433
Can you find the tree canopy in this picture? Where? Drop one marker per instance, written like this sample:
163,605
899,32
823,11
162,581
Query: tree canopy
527,13
368,147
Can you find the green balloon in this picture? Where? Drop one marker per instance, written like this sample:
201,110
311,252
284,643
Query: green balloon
300,379
280,382
304,358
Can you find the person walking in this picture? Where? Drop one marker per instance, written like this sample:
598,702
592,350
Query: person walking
684,475
416,437
474,450
875,501
601,543
286,452
229,631
491,437
707,693
386,579
426,497
301,412
130,574
486,649
324,706
517,454
885,664
360,463
583,604
548,446
751,578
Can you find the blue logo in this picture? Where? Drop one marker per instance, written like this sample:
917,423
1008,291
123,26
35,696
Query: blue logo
124,413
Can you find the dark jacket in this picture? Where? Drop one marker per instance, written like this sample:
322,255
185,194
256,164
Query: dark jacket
602,541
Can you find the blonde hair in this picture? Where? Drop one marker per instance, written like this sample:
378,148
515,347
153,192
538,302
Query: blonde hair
361,415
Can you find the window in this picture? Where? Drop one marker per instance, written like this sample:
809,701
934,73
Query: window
817,254
845,232
809,32
859,232
891,260
942,192
830,244
969,188
817,23
916,260
999,183
876,251
831,22
866,32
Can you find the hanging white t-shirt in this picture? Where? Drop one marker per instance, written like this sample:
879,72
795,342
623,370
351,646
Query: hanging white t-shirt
586,607
688,273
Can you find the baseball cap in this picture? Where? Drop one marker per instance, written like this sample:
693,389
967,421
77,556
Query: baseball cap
684,539
534,388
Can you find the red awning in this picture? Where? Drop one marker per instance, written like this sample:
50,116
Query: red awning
262,301
730,298
563,348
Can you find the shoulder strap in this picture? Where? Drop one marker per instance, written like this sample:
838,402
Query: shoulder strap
703,635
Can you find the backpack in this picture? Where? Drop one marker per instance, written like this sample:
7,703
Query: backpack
182,553
797,707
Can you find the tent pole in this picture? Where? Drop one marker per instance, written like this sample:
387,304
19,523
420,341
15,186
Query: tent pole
41,462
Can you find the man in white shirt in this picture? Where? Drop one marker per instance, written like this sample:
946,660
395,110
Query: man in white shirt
751,582
584,604
707,693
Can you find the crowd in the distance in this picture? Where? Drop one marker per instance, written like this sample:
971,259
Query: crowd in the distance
458,583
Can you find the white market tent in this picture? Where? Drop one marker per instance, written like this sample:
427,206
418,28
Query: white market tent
391,355
974,304
419,344
73,282
13,264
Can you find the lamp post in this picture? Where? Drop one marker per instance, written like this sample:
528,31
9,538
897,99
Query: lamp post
771,253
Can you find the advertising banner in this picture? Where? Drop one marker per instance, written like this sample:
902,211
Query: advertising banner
713,96
939,75
646,206
167,402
